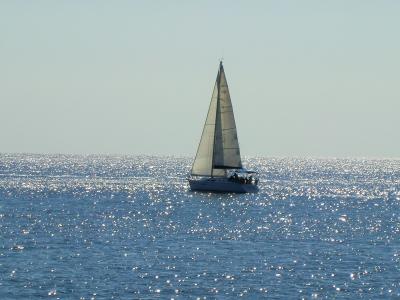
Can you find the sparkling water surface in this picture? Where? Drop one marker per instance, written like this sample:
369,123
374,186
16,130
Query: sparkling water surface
126,227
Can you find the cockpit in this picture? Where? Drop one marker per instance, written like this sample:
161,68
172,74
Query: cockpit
243,176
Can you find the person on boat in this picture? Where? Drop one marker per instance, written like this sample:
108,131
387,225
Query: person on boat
236,177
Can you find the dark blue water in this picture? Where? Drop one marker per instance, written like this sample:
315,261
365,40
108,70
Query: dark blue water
116,227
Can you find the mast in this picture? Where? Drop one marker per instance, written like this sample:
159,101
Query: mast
216,116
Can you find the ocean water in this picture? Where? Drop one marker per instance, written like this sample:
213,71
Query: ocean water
126,227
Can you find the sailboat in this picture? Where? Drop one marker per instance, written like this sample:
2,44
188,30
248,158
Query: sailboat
217,166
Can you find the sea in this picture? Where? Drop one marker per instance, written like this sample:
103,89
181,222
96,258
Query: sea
128,227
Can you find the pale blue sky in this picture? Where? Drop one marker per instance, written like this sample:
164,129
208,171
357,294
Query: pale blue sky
307,78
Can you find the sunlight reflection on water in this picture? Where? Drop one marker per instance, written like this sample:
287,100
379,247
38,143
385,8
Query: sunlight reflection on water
127,227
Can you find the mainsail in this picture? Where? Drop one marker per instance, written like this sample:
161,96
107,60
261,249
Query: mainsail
219,147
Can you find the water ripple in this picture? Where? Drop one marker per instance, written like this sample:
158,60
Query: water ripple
123,227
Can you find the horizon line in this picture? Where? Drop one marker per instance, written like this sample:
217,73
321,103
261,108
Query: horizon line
192,156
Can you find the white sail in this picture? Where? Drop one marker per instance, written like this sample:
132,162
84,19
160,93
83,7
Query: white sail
219,147
226,151
202,164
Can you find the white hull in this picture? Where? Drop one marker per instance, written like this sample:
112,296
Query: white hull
221,185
